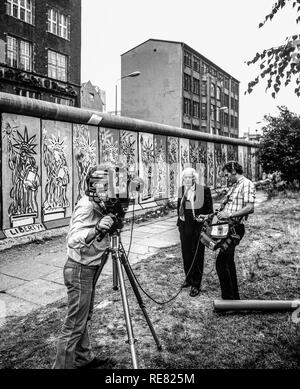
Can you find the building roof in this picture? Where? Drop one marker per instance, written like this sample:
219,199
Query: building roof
184,45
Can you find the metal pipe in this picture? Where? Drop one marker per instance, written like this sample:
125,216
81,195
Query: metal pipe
10,103
258,305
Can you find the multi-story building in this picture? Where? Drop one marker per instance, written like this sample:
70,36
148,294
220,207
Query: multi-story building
178,86
92,97
40,49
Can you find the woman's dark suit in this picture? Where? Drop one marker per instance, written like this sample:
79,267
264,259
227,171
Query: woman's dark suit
190,229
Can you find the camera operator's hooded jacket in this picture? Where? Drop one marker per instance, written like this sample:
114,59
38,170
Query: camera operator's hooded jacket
85,216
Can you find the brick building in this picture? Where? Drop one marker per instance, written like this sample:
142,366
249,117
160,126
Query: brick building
180,87
40,49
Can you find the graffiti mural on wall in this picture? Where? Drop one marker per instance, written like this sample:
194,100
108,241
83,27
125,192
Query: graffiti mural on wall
184,152
85,156
109,146
210,165
146,164
173,165
202,162
160,167
25,177
194,153
220,161
57,172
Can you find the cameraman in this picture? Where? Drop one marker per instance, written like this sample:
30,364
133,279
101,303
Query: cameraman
237,204
86,241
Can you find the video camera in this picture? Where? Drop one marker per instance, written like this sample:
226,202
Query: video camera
113,188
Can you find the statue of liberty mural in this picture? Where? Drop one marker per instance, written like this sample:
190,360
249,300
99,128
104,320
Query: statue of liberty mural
85,157
57,173
25,178
147,160
160,168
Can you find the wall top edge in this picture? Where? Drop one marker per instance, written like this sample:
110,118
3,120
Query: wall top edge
10,103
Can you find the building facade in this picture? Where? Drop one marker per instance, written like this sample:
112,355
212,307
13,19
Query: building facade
178,86
92,97
40,49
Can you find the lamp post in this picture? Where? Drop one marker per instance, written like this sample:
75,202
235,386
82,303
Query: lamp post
133,74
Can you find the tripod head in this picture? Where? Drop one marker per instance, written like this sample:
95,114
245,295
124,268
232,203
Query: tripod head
114,239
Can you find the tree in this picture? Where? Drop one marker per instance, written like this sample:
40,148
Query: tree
279,148
282,61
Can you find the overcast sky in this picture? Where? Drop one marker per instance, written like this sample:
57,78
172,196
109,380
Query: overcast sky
225,31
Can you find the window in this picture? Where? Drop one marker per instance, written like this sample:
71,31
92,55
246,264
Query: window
204,88
203,111
204,68
232,121
187,58
21,9
58,24
19,54
226,83
196,86
226,100
213,71
196,65
218,93
27,93
187,82
235,122
57,65
218,115
60,100
196,109
187,106
226,119
212,112
212,90
92,96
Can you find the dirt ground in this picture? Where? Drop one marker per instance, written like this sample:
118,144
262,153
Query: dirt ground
192,334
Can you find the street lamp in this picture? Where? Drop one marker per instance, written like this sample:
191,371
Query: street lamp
133,74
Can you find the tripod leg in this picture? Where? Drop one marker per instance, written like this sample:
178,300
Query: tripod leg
103,262
115,273
131,339
130,276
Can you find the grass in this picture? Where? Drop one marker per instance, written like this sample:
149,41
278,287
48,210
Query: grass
191,333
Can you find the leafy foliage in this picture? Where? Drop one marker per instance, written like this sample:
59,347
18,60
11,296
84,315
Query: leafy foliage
279,64
279,149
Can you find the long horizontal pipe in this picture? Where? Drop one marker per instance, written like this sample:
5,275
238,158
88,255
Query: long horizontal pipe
261,305
10,103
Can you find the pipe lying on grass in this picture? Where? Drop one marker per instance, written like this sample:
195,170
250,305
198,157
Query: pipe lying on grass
256,305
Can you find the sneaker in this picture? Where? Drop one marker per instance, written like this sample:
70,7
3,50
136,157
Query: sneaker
98,363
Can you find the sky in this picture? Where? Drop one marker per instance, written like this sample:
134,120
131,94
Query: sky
224,31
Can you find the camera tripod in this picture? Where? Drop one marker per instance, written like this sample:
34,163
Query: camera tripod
119,260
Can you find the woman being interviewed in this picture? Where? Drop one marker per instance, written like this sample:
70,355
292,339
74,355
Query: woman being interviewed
194,200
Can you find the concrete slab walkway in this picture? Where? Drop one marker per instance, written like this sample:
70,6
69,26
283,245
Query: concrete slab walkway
29,283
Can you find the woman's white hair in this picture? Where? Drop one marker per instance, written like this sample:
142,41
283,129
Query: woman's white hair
190,170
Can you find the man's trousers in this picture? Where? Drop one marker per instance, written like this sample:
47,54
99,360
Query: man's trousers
74,347
226,270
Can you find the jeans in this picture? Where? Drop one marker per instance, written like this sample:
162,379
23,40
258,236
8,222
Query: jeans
226,270
74,347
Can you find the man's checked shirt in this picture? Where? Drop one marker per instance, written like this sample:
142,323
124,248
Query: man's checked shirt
241,193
